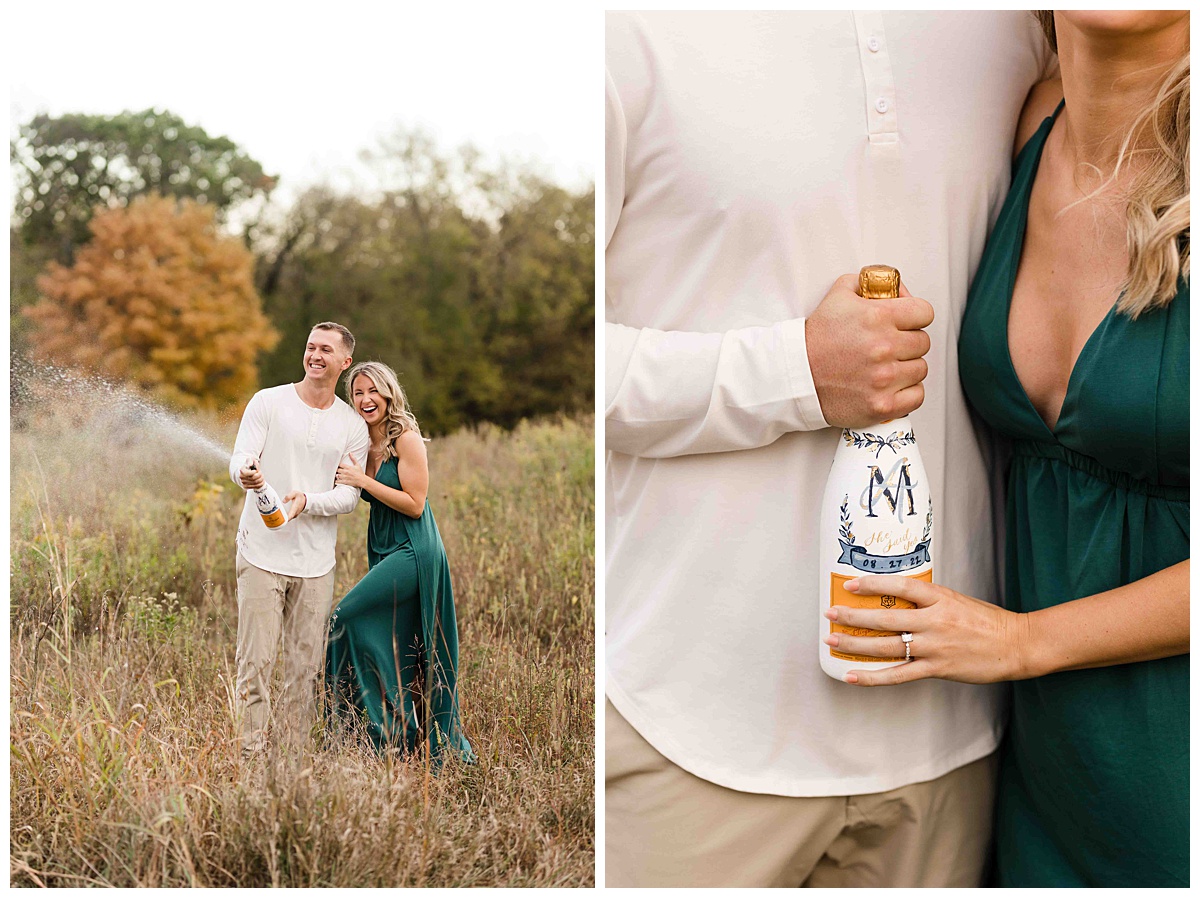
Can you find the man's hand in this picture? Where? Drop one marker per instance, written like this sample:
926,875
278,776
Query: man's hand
866,354
251,478
296,503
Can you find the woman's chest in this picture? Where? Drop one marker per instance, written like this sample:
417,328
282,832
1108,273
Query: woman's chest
374,462
384,470
1071,267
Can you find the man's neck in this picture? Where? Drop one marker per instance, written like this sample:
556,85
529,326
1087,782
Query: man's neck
316,395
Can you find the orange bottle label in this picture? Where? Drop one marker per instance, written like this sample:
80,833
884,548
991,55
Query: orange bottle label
839,596
276,518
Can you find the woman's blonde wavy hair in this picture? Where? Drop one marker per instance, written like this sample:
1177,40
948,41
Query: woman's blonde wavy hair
1158,214
399,416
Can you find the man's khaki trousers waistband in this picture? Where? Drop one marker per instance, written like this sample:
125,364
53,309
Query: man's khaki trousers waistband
666,827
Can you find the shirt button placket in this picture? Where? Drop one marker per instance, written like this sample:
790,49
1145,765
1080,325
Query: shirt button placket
314,419
882,122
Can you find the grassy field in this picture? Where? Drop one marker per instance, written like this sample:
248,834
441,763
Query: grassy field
124,769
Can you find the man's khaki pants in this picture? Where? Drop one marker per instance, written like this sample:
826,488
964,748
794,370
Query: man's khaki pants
270,604
666,827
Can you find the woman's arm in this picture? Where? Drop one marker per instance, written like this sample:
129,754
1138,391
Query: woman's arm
956,637
412,465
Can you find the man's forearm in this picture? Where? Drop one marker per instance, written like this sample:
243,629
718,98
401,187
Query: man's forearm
251,437
342,499
237,462
671,393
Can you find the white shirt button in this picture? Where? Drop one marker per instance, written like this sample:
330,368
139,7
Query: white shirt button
873,44
881,105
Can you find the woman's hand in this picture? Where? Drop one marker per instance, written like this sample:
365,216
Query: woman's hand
955,637
351,475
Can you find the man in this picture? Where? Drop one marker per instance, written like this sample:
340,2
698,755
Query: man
294,437
753,160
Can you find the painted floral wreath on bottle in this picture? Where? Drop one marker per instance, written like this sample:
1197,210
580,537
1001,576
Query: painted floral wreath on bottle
873,441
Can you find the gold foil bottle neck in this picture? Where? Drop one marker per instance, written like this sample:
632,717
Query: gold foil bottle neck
879,282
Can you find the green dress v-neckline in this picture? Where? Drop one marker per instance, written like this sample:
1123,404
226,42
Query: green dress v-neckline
1018,250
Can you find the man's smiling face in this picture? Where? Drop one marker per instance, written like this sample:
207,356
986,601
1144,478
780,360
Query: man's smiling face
325,357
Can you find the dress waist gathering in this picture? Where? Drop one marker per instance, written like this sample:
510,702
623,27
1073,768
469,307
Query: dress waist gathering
1057,452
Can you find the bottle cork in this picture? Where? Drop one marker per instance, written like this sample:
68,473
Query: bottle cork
879,282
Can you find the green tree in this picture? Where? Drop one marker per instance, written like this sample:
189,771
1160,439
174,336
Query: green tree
25,263
544,326
157,298
67,166
476,284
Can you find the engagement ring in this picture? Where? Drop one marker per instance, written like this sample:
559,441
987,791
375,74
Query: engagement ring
907,637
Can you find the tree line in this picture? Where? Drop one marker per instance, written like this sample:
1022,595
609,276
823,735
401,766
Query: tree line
142,248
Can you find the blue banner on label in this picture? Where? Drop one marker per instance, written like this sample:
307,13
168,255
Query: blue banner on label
858,558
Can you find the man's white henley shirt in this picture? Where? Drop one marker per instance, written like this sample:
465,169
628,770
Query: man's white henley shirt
751,159
299,448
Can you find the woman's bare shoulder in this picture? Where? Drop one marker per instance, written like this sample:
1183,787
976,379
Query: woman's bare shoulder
1040,104
409,443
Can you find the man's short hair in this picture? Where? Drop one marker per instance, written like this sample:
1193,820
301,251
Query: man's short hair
347,337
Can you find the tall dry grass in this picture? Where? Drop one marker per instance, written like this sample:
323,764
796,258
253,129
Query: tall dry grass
124,769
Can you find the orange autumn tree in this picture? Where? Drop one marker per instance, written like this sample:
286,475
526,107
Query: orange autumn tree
159,299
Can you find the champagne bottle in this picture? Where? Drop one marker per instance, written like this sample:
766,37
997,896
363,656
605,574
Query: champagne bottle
876,516
269,505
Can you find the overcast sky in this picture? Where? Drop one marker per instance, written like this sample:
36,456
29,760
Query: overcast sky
303,94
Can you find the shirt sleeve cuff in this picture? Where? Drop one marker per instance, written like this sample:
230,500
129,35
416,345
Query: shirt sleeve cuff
800,375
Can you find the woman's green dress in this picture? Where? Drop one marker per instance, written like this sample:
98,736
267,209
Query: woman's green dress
392,656
1093,787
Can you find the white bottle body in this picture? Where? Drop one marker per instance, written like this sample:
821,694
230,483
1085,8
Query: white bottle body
270,506
876,518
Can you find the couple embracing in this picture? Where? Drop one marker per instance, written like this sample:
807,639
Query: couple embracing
391,646
754,159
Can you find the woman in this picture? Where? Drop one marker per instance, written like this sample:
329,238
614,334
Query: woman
393,642
1075,348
